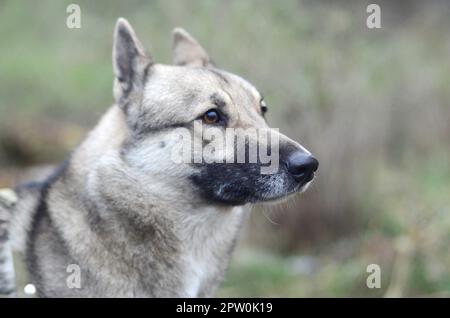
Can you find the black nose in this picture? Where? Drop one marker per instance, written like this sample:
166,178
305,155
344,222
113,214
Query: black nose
302,166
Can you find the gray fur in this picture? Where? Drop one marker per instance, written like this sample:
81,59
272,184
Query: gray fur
132,220
7,276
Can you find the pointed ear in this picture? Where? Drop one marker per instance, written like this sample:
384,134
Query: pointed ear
130,62
187,51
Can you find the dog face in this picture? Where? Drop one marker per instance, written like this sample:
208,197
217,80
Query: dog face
210,119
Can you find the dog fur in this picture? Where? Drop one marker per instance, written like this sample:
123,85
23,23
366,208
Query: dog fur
135,223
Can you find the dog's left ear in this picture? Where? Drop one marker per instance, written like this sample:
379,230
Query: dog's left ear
130,61
187,51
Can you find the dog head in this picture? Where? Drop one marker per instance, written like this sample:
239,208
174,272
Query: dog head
200,128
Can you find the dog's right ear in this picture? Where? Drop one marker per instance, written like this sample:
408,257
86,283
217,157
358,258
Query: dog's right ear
187,51
130,62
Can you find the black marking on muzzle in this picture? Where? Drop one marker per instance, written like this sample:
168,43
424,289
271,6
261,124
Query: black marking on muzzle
229,184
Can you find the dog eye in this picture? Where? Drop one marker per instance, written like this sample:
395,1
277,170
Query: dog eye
212,116
264,108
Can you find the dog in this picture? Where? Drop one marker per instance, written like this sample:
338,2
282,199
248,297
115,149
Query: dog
119,218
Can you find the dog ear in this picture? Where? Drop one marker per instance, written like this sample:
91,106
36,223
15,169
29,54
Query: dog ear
130,62
187,51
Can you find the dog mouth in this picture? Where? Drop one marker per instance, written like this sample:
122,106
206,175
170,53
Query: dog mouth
239,184
299,189
306,185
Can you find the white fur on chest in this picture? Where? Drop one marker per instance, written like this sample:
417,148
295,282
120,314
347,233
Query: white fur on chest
210,235
196,273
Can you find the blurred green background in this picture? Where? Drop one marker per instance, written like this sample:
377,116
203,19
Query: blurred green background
372,105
